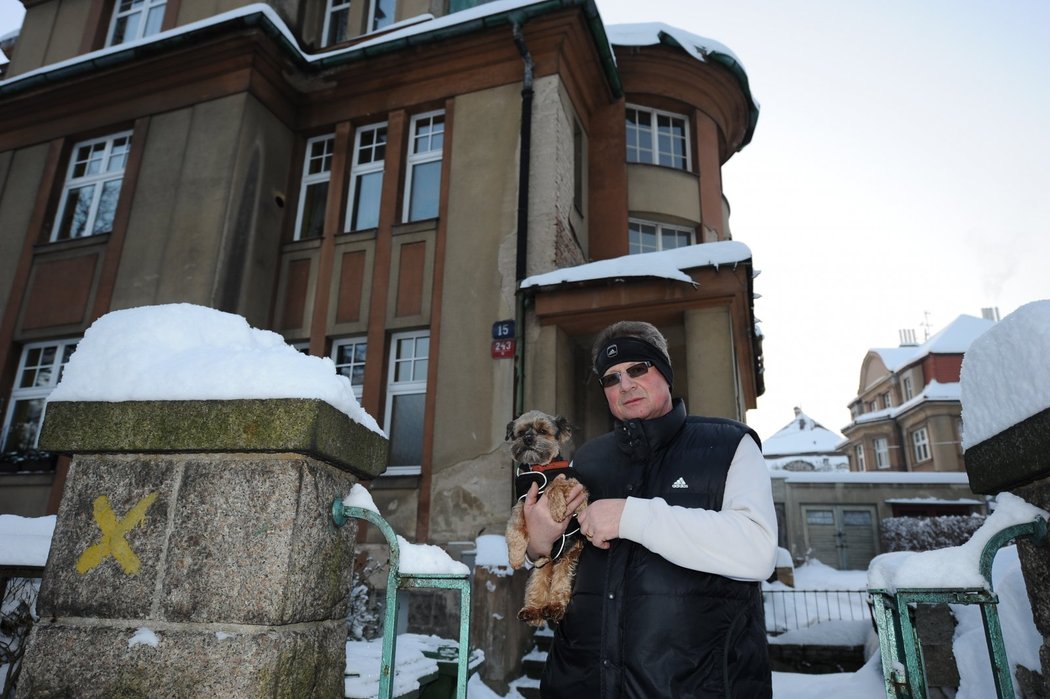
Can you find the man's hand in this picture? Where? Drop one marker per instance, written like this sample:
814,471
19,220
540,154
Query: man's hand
543,530
600,522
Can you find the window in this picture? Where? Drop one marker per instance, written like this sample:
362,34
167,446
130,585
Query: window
381,14
426,138
577,165
92,188
882,453
336,22
920,442
858,452
366,177
887,400
406,394
349,358
648,236
820,517
135,19
657,138
313,192
907,389
39,371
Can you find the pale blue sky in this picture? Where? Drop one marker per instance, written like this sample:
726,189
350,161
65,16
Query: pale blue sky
898,174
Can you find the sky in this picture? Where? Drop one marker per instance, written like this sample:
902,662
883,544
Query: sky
896,178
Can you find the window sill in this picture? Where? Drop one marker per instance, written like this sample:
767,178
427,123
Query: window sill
71,244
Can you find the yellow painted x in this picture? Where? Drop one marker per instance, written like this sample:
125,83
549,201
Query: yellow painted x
112,542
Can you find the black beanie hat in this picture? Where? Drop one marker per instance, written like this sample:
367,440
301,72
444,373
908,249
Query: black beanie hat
632,349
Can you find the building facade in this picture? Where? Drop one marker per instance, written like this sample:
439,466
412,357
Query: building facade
386,184
907,414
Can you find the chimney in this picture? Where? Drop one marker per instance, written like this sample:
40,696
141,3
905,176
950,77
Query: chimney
990,313
907,336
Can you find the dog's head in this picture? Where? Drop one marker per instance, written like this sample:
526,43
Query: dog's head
536,437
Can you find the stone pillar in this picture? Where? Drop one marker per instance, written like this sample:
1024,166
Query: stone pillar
194,553
1018,460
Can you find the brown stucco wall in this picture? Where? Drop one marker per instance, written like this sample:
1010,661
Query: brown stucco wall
20,173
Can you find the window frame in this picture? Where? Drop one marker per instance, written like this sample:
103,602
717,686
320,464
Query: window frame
309,179
354,341
395,388
414,160
331,8
372,5
881,446
36,392
655,115
660,229
920,444
359,170
858,455
141,29
97,181
907,389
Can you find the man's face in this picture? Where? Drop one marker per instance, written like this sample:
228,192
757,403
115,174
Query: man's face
643,397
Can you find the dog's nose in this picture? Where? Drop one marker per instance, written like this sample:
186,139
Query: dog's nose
528,438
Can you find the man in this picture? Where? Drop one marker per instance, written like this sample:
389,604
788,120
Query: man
667,600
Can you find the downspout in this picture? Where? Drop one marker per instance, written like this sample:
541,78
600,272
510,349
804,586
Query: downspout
524,159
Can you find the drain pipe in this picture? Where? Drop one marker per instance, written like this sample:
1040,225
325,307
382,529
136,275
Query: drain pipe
524,160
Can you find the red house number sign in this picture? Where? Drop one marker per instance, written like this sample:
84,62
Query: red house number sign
503,343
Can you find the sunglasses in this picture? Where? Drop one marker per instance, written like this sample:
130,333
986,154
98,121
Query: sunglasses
634,371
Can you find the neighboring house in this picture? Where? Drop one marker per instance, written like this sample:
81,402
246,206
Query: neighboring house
804,445
449,207
907,412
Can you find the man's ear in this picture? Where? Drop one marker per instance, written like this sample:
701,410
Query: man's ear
564,429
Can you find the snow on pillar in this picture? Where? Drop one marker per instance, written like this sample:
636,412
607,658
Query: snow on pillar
1006,436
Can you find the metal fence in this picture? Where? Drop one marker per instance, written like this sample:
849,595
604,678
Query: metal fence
17,614
788,610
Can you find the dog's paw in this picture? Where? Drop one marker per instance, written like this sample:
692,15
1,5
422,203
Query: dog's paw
553,612
533,616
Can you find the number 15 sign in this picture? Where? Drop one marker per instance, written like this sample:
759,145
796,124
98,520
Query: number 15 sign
503,343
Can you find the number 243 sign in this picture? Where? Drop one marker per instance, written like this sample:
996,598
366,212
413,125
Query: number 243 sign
503,349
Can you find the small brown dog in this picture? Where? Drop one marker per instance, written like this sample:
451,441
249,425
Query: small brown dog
535,443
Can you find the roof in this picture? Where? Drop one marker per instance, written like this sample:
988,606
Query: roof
666,264
701,48
801,436
953,339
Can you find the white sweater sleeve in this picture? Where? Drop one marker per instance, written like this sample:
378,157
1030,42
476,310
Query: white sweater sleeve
739,541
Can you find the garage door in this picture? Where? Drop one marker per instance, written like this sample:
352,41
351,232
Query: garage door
841,536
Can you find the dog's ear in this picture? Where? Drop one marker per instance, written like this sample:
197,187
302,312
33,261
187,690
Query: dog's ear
510,431
564,429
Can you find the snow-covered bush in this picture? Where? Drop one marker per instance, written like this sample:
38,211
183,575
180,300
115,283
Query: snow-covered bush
928,533
364,621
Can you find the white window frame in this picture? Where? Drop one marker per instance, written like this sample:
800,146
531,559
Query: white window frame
41,386
111,154
635,154
858,454
660,230
920,442
320,149
332,9
337,345
372,20
906,389
359,169
416,384
882,452
145,9
422,157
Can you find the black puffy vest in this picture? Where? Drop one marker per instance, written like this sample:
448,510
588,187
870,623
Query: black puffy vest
639,626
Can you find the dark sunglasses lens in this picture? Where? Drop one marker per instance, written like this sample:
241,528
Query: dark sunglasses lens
610,379
636,370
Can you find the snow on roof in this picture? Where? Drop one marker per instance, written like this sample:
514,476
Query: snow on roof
25,541
953,339
1005,374
910,478
666,264
185,352
701,48
934,390
933,501
803,435
412,27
